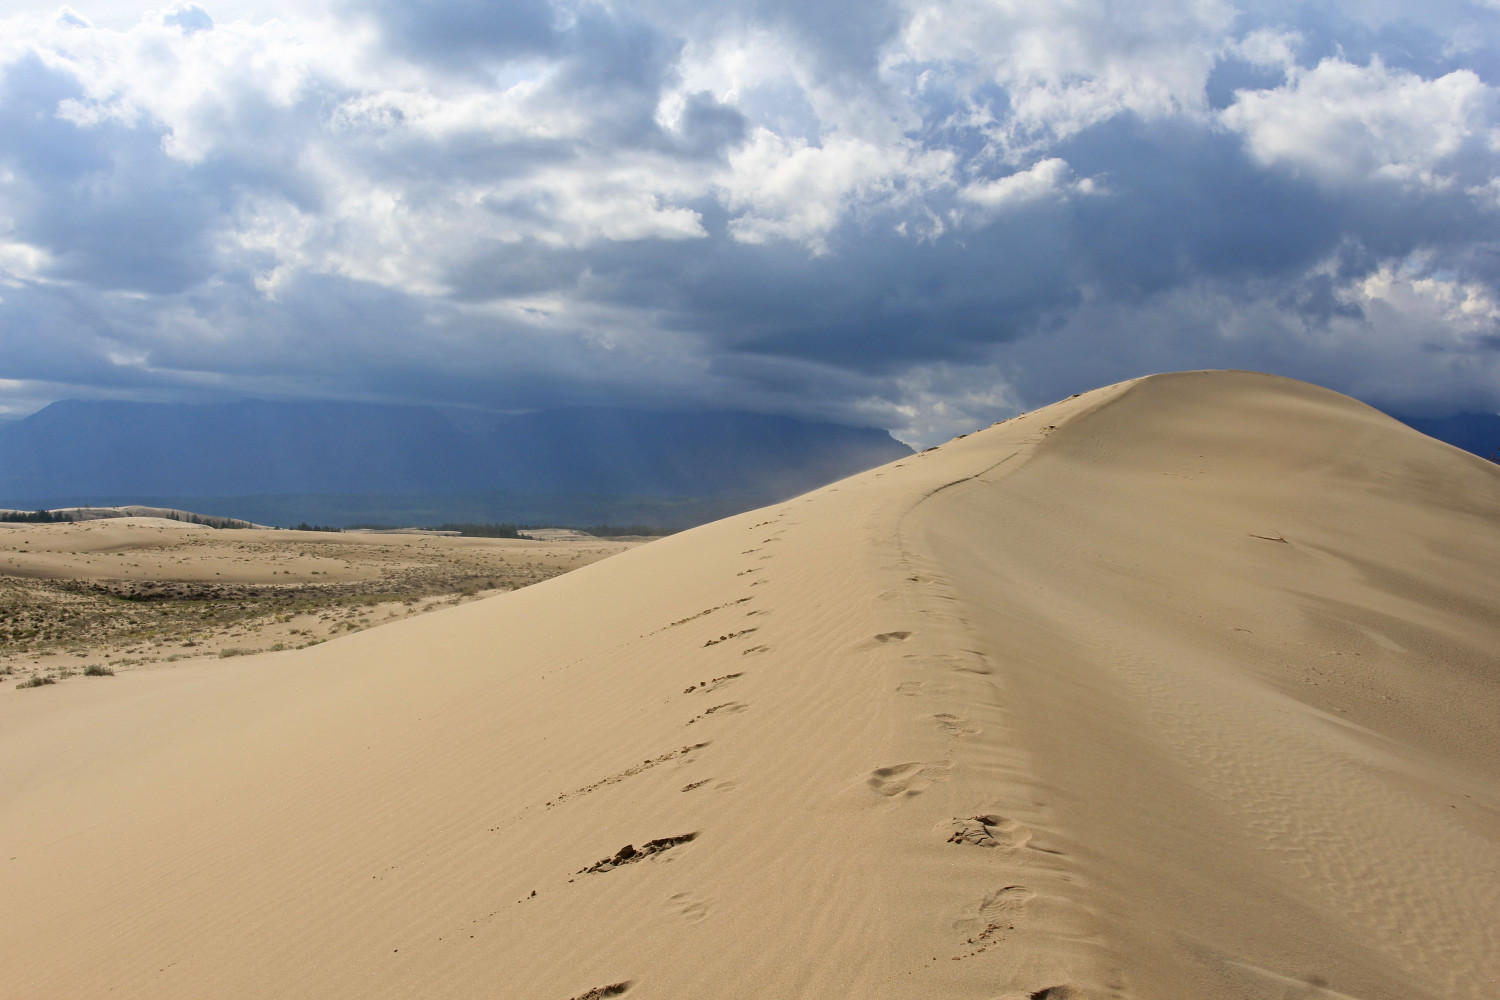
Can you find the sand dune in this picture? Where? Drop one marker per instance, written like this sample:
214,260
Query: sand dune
1186,687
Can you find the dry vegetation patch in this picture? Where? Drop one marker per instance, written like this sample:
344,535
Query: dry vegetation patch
130,591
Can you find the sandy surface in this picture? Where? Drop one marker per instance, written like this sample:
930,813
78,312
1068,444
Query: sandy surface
1182,688
126,592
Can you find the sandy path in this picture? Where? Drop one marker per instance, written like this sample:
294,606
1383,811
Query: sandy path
977,724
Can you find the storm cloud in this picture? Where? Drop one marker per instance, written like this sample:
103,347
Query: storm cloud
915,215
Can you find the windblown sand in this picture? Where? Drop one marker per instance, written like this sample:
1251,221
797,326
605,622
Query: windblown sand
1183,688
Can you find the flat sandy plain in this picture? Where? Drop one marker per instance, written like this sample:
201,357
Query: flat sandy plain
123,593
1182,688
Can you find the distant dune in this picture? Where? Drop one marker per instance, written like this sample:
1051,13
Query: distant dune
1182,688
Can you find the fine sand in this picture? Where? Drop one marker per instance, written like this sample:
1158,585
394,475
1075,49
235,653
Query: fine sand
1182,688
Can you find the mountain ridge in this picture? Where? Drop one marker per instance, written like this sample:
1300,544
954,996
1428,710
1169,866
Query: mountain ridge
255,447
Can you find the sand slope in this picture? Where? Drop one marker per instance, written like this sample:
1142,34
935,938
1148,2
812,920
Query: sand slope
1180,688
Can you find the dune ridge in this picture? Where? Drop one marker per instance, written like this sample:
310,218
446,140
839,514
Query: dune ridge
1183,687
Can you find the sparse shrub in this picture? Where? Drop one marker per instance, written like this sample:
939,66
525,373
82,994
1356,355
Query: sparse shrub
97,670
34,517
224,654
36,681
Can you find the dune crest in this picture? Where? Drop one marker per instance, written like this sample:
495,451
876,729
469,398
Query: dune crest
1184,687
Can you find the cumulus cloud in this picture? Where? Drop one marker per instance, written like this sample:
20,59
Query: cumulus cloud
914,213
1049,178
1344,123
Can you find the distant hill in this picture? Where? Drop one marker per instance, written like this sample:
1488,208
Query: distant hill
76,452
1476,432
67,514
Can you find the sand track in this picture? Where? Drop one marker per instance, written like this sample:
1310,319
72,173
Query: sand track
1050,712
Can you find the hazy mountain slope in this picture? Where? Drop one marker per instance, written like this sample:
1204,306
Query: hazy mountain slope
1478,433
99,449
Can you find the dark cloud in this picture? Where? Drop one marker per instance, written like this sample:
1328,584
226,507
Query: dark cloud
814,209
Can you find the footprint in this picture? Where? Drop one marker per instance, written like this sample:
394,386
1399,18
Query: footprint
987,921
630,854
988,830
728,708
1011,899
730,635
908,779
893,637
755,649
688,906
913,688
600,992
704,686
995,914
955,725
968,661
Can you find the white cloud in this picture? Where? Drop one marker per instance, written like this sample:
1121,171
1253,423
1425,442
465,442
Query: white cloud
1342,123
1047,178
1267,47
21,262
931,403
1070,64
792,190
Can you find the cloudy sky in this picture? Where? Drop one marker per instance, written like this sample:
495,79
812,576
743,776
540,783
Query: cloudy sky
910,214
